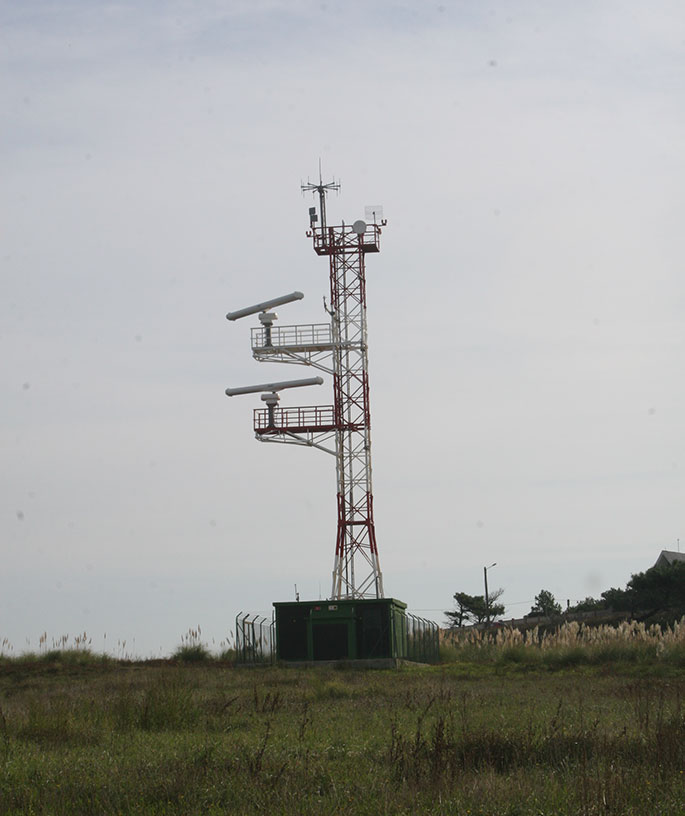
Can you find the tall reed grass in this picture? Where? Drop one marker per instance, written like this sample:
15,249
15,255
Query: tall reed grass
570,643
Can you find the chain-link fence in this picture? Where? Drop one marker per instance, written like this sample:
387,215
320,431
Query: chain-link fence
255,639
423,642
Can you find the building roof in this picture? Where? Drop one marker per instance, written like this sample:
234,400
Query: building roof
668,557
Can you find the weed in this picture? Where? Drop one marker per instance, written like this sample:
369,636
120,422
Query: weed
175,739
269,703
192,649
197,653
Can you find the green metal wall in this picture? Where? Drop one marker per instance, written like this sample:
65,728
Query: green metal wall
350,630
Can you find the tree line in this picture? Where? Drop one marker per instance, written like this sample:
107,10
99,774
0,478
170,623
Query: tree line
658,594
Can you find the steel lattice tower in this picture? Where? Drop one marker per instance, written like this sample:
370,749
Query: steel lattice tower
344,428
356,570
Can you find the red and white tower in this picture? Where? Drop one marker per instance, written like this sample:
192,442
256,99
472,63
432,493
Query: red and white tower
338,348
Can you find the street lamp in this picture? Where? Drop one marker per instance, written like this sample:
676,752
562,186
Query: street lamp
487,600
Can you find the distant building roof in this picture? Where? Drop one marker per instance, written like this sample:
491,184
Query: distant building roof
668,557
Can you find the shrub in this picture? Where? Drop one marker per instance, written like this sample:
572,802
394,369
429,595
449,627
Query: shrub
191,648
192,653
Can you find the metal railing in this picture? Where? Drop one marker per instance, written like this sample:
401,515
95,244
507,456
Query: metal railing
314,417
310,335
423,642
255,639
329,239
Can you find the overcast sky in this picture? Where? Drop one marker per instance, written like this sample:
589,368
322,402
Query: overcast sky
526,332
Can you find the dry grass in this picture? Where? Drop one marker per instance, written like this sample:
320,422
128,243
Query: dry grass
462,738
569,643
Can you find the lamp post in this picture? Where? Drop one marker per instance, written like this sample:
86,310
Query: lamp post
487,600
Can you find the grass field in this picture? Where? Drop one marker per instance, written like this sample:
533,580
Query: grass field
503,728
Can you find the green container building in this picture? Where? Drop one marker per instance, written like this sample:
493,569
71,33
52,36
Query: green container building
352,629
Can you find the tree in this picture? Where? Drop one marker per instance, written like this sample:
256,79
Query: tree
618,600
545,605
472,608
659,589
462,613
589,605
493,609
